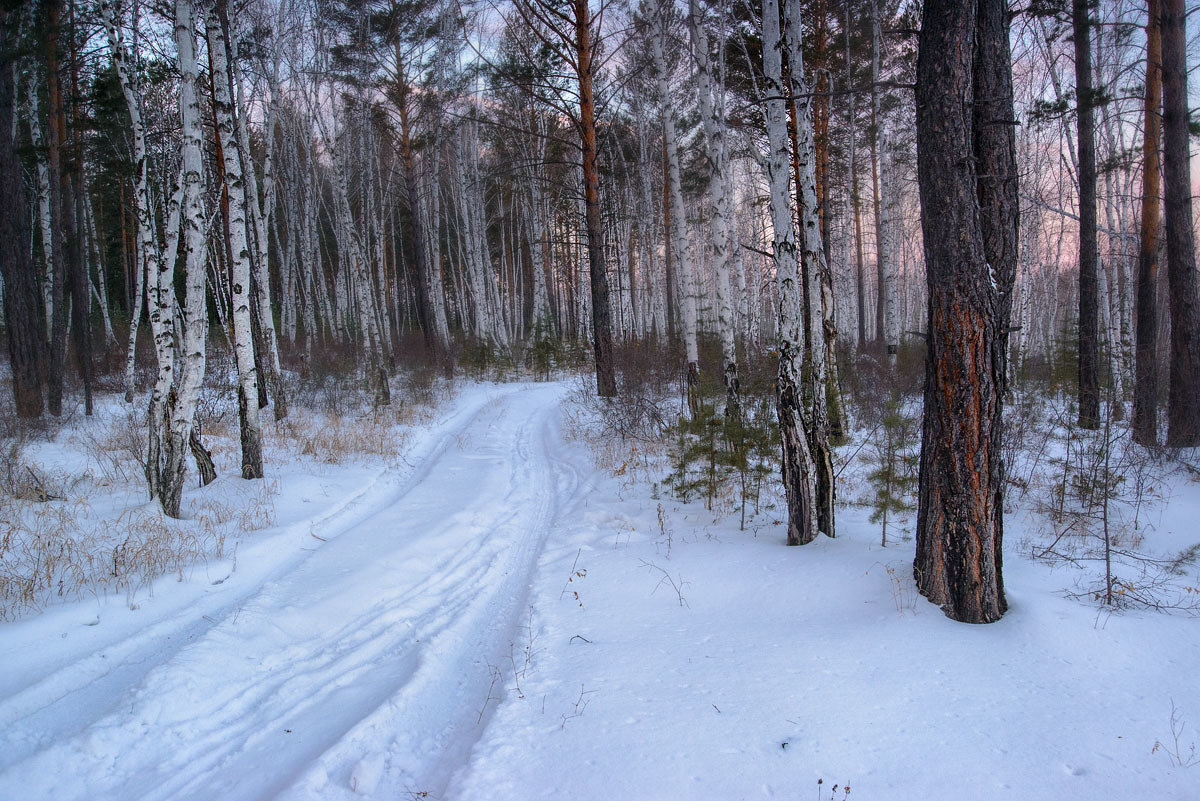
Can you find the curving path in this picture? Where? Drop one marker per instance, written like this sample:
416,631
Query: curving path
359,667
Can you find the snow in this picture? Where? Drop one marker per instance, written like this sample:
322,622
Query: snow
491,615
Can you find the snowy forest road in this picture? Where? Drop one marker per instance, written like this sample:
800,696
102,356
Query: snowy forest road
364,664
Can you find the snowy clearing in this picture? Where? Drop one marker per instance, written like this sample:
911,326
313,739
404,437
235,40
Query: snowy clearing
491,616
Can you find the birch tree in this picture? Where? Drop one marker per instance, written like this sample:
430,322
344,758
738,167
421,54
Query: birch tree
238,246
813,256
798,468
719,201
177,385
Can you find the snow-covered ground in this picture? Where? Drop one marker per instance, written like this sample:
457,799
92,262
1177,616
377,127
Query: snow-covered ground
490,615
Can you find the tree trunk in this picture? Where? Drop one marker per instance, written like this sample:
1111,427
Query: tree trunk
1089,257
964,114
239,250
81,295
715,147
258,215
855,201
173,401
885,279
25,333
606,377
813,256
678,217
1145,390
418,250
1183,401
57,324
799,472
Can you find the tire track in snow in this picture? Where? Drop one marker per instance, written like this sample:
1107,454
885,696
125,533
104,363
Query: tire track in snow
371,652
94,683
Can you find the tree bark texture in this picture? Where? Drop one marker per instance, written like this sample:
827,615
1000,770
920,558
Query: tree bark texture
606,377
239,250
799,471
1183,399
1145,385
961,135
1089,255
21,302
813,267
677,218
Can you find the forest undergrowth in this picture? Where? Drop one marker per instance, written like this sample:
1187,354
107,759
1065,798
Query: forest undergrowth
75,519
1089,501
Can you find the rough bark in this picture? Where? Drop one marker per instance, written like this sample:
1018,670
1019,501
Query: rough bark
25,333
855,199
1145,386
999,202
885,278
602,344
962,133
1089,256
1183,399
75,220
57,324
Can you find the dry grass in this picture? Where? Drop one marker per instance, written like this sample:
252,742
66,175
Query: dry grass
63,549
66,549
334,439
55,543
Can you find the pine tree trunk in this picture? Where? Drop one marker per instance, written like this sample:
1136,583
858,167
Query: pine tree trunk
1145,387
964,117
57,324
1183,400
81,286
1089,257
21,302
602,344
885,279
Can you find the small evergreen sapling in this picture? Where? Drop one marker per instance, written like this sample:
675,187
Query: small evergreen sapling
894,477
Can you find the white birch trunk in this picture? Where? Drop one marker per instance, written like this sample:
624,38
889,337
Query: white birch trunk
239,246
173,401
99,284
799,470
260,212
885,270
37,142
715,147
821,331
679,240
